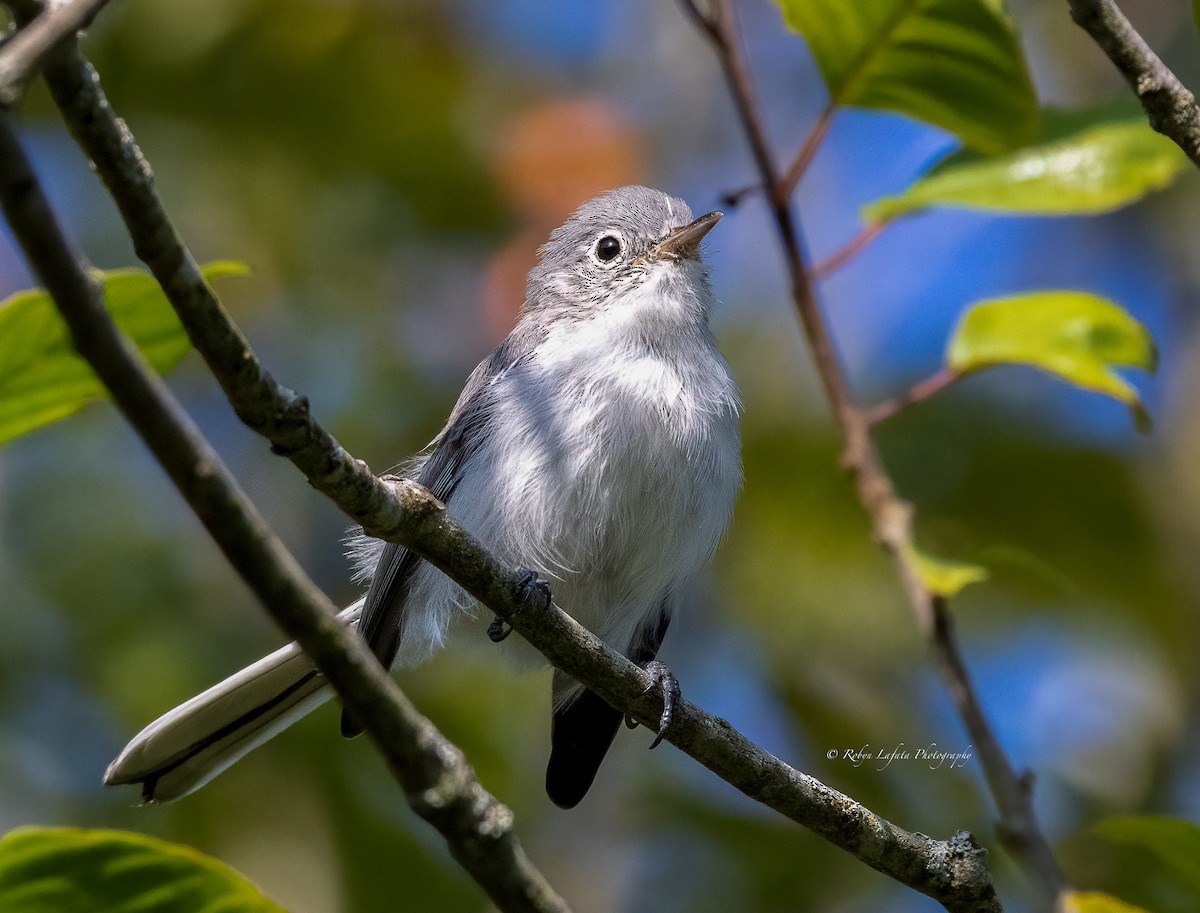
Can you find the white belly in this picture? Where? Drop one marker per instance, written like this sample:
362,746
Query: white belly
618,497
609,468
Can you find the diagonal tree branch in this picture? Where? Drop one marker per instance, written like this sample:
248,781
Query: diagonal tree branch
22,54
1171,107
891,517
954,872
437,781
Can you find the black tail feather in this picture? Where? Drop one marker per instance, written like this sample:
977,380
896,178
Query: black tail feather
582,731
580,735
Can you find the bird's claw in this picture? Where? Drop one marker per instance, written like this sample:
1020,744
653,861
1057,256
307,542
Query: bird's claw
529,585
498,630
665,681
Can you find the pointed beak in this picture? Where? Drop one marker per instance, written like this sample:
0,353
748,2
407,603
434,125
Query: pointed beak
685,242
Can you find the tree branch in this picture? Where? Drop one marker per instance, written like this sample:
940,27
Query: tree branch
22,54
891,517
1170,106
954,872
437,781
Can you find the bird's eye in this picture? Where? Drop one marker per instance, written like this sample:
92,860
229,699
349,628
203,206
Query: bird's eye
608,248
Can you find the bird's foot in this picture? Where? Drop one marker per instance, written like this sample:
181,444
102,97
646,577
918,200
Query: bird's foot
665,681
529,585
498,630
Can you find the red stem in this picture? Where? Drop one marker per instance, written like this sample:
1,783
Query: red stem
848,251
808,150
920,391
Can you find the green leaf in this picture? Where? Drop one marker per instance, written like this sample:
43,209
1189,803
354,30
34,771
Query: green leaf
1173,840
945,578
956,64
71,870
1096,902
42,379
1078,336
1099,169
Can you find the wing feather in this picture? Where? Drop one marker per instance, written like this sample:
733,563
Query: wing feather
385,607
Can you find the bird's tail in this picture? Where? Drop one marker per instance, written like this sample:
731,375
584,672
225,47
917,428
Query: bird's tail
188,746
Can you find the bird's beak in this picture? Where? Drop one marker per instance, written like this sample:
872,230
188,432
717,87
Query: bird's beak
684,242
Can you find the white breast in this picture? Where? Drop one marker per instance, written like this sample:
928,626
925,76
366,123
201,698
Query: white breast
612,464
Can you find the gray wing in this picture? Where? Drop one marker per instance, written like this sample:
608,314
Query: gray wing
382,623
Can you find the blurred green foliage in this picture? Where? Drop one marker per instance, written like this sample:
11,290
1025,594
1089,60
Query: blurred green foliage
69,870
42,379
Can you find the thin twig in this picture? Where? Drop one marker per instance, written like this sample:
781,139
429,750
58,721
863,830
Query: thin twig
890,516
731,199
1018,829
1171,107
918,392
799,165
808,151
436,778
22,54
954,872
702,18
847,251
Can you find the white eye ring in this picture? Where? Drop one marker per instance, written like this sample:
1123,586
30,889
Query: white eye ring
608,249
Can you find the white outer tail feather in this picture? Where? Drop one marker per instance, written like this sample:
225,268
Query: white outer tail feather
188,746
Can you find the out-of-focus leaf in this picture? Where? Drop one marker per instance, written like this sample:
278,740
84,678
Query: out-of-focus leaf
1173,840
1078,336
384,87
1099,169
956,64
71,870
1030,566
42,379
945,578
1096,902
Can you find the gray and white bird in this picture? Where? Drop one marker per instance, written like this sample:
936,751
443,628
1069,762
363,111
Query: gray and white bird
598,444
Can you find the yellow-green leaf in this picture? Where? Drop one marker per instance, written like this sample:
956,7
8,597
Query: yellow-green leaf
1098,169
1096,902
71,870
1173,840
1078,336
43,380
956,64
945,578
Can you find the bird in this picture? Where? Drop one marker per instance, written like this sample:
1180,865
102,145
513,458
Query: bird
599,444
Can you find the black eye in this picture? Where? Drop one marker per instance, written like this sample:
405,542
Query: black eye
607,248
